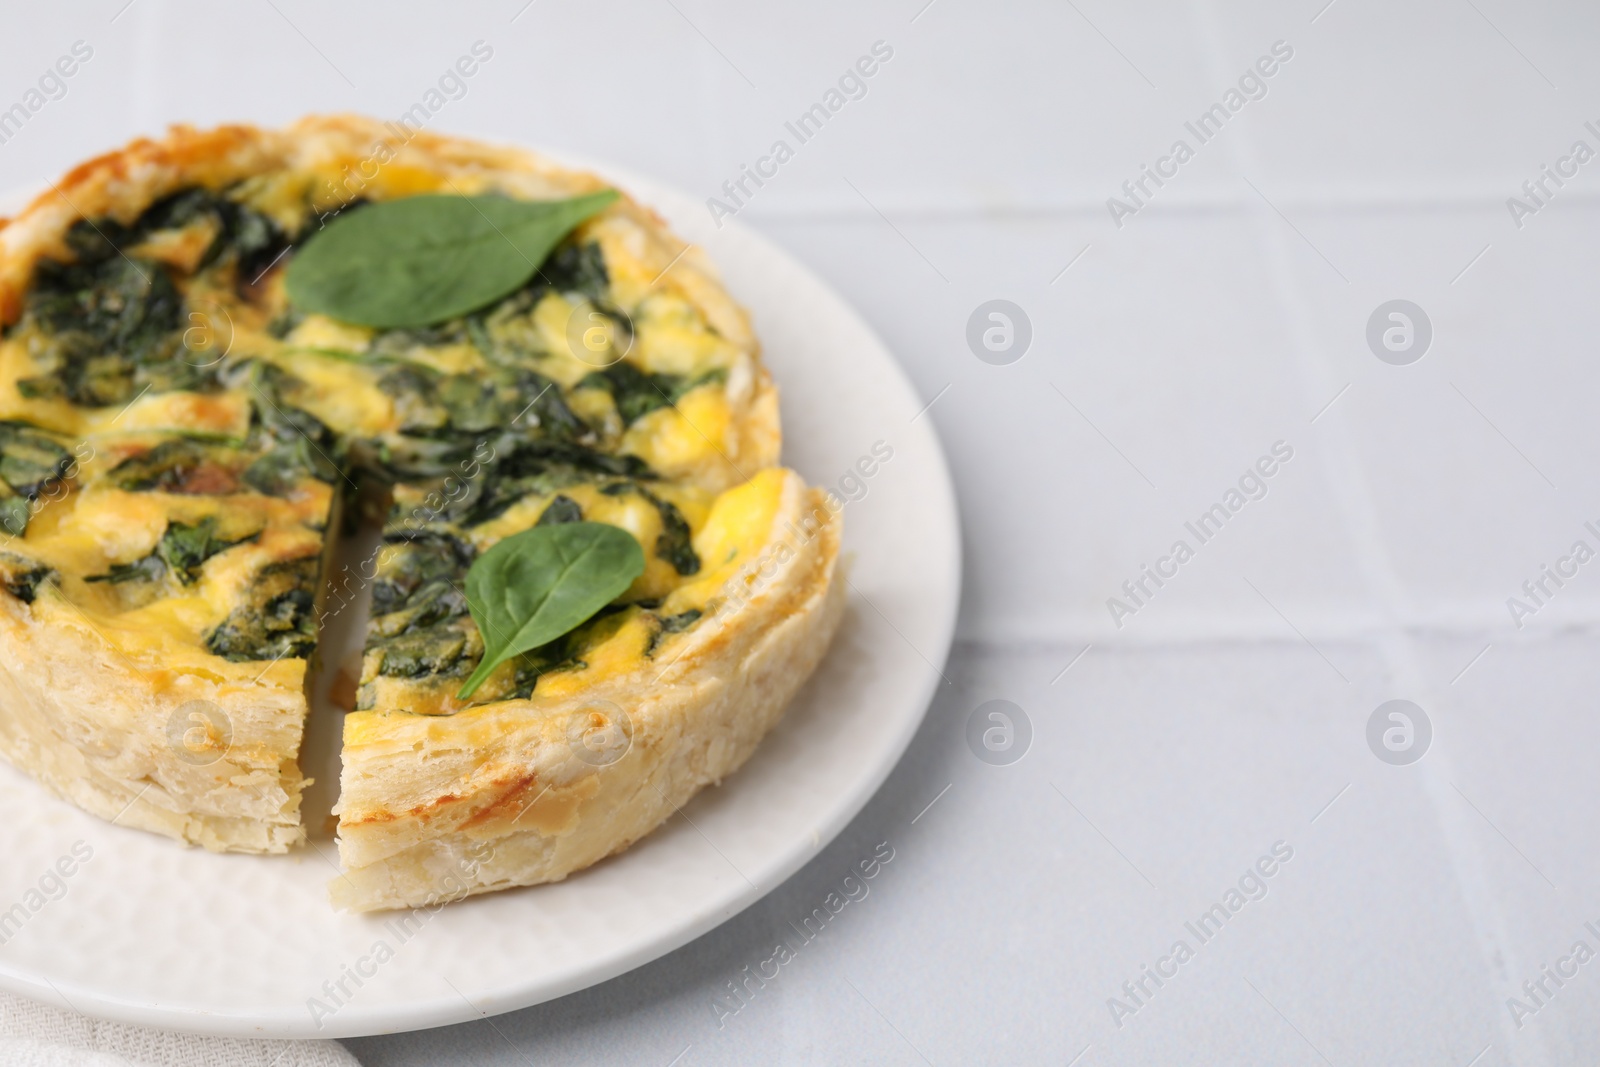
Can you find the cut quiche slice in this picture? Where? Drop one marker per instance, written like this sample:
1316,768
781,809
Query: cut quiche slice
162,537
574,751
181,444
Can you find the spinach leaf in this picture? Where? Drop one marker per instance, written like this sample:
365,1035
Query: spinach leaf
31,464
672,624
279,622
21,577
424,259
149,569
182,466
637,394
547,414
184,548
575,268
181,551
15,511
112,326
561,509
416,653
539,584
30,461
253,239
521,466
416,578
675,543
112,322
291,443
418,622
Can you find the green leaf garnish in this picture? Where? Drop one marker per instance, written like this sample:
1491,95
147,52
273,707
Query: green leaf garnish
422,260
537,585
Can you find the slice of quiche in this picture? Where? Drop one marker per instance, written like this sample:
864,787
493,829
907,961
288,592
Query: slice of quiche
163,519
180,443
576,749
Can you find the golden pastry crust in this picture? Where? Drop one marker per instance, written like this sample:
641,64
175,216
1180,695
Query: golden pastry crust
206,760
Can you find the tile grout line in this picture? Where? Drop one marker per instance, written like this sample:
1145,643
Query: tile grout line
1358,514
955,211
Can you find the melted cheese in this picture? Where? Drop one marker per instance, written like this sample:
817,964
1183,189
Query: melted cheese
160,638
615,653
17,348
623,246
692,435
319,331
735,534
449,359
567,363
341,393
674,339
222,414
281,195
181,248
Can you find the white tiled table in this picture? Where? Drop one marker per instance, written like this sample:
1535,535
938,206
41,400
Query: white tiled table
1227,315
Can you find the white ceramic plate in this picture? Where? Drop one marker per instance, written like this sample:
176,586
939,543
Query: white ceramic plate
146,931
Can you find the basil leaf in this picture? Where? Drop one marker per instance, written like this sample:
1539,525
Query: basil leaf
424,259
544,582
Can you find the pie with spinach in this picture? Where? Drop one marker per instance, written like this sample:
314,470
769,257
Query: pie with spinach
228,355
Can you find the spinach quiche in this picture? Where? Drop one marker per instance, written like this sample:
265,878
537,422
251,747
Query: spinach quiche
229,354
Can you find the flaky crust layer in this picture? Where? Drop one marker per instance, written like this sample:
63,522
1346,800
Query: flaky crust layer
207,760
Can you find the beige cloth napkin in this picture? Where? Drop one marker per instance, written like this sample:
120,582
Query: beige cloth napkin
38,1035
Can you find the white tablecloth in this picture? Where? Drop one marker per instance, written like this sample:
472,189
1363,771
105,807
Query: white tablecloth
38,1035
